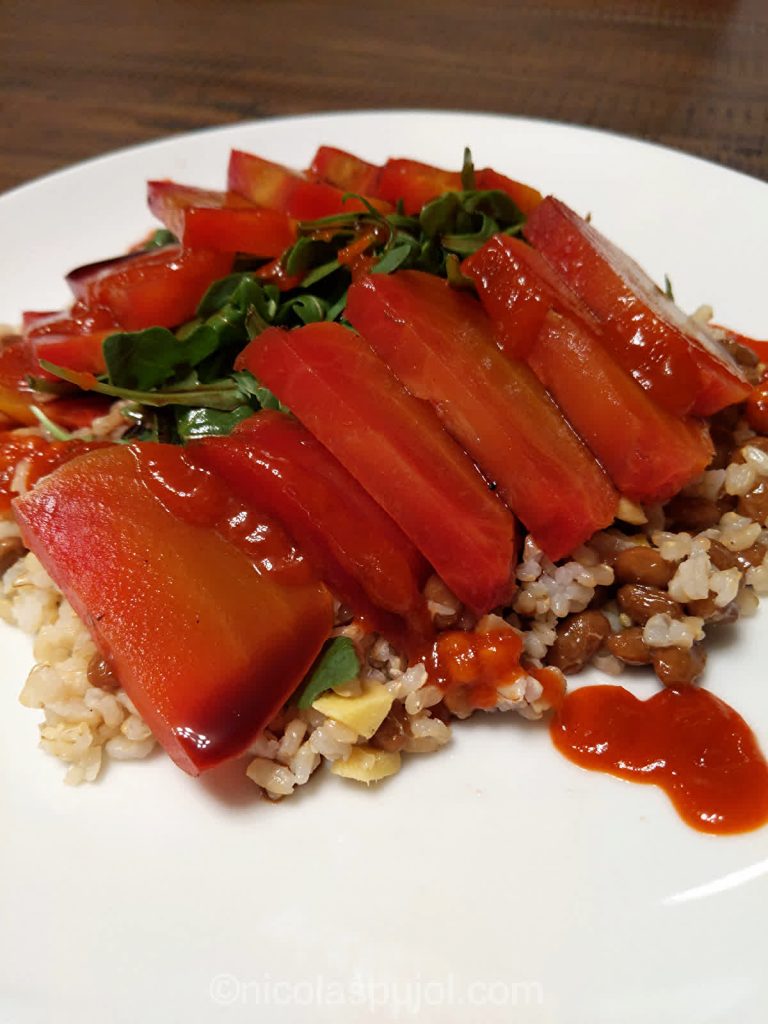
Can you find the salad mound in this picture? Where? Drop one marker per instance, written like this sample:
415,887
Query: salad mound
333,457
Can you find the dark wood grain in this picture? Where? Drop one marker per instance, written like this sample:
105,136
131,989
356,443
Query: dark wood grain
81,78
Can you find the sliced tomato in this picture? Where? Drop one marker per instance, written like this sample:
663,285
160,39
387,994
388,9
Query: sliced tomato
73,339
78,412
648,453
278,188
220,221
523,196
517,288
396,448
415,184
17,398
276,466
681,365
441,345
207,640
16,367
159,288
39,456
345,171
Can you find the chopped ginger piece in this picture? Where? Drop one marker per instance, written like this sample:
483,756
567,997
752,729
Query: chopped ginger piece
363,713
365,764
630,512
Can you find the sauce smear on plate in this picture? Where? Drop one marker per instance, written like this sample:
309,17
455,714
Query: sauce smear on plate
688,742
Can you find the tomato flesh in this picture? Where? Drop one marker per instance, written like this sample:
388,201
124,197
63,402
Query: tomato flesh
16,395
414,184
517,288
680,365
440,343
278,188
220,221
159,288
648,453
73,339
397,449
345,171
276,466
207,637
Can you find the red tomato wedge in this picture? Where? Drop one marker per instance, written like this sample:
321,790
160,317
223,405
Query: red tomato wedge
415,184
517,288
396,448
683,368
523,196
345,171
276,466
220,221
16,366
73,339
207,641
78,412
648,453
278,188
440,343
160,288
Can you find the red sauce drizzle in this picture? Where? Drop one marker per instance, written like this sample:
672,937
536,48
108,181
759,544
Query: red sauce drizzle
688,742
479,663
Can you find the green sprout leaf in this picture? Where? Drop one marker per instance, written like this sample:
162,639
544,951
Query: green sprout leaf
192,424
337,664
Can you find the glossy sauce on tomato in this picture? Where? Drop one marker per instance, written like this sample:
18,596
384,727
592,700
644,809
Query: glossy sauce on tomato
194,495
688,742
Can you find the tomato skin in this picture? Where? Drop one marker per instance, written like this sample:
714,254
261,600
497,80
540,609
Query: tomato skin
160,288
648,453
278,188
396,448
276,466
345,171
219,221
207,643
440,343
681,366
517,288
416,183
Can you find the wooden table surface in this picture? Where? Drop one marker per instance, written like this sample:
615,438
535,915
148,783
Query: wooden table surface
78,79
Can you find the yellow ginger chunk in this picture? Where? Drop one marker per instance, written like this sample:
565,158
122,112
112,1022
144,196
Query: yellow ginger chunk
363,713
365,764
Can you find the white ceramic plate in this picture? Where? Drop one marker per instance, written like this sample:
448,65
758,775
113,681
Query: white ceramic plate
491,882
